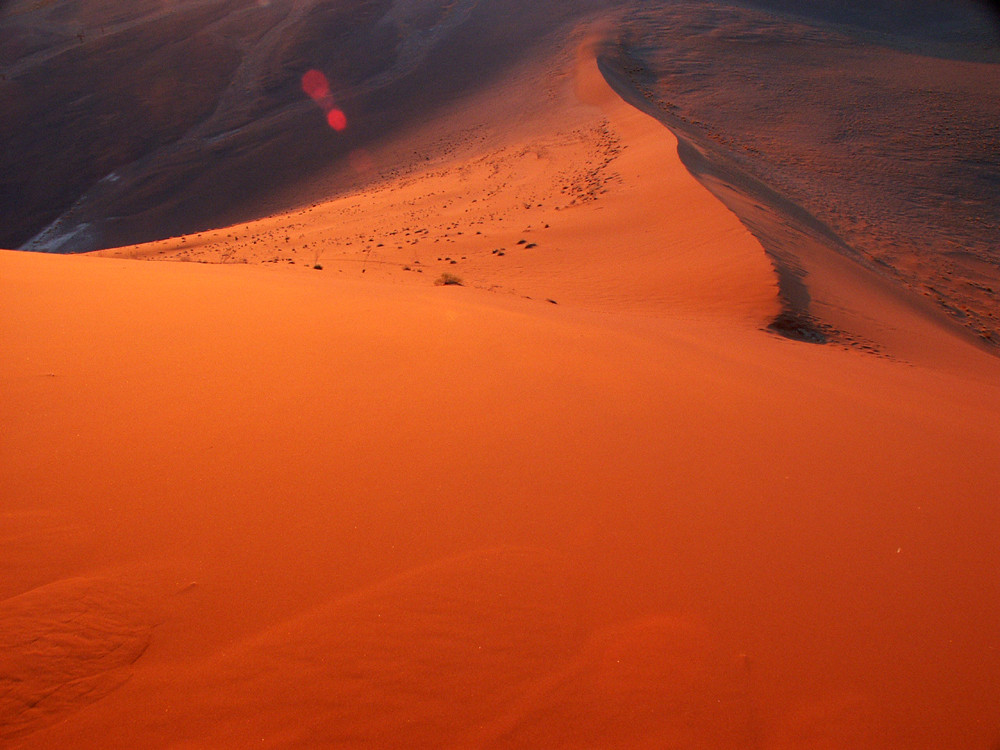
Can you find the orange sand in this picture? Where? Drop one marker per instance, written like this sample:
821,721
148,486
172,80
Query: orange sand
265,505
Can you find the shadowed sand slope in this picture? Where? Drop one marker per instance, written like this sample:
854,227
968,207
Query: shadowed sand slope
131,123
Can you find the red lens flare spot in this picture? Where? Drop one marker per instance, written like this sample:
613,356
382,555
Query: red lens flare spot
337,120
315,85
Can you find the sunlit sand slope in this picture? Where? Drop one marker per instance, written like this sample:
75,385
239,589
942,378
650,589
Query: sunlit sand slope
304,510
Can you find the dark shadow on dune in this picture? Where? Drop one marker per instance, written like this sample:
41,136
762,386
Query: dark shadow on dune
779,225
195,118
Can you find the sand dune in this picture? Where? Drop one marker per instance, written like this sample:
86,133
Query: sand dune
326,530
249,502
873,123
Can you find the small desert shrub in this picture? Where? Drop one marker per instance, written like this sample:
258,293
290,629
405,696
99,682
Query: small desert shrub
318,267
448,279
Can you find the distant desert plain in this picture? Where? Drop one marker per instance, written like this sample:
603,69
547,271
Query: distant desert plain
500,374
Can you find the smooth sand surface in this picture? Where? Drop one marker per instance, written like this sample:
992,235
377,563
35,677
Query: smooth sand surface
264,505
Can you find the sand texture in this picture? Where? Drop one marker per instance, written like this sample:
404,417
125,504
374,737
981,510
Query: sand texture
672,464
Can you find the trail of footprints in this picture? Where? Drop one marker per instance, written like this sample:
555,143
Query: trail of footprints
484,208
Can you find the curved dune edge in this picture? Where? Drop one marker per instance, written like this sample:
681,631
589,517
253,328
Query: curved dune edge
828,291
698,255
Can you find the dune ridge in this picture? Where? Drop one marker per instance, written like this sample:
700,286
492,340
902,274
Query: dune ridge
811,261
538,216
839,128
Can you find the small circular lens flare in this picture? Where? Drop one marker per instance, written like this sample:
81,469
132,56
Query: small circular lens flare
337,120
315,85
